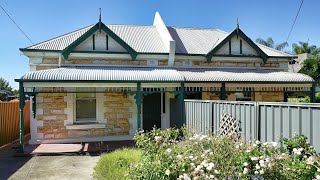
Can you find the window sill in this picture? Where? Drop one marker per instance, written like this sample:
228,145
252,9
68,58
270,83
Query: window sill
86,126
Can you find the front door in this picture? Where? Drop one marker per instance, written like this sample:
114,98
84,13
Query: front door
151,111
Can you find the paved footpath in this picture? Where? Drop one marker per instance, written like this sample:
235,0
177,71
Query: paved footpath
46,167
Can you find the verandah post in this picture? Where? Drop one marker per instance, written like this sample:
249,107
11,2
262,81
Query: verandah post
138,102
21,106
223,94
182,94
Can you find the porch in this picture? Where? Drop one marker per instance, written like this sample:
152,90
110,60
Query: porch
115,102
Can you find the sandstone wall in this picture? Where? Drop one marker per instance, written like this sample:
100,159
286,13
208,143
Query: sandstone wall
55,112
269,96
210,96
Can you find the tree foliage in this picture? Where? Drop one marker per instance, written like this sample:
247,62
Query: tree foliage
5,89
311,67
4,85
270,43
304,47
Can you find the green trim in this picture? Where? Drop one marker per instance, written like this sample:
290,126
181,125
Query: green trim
237,32
100,52
117,81
38,50
94,81
66,52
21,107
186,54
151,53
182,105
235,55
286,57
223,94
138,102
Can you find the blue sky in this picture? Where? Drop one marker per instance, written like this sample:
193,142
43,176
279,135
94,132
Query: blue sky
42,20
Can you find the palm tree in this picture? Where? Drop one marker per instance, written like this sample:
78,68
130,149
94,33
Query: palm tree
270,43
304,47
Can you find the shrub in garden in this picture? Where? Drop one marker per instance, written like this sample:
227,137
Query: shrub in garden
175,154
115,165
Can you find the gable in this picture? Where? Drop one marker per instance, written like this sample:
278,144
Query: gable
248,47
89,34
238,47
100,41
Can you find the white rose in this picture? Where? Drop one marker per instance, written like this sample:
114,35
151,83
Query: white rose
261,171
245,164
245,170
261,161
167,172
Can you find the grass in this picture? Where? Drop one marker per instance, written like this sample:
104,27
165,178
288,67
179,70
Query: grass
115,165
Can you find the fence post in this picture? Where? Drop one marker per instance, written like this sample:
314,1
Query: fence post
21,106
257,121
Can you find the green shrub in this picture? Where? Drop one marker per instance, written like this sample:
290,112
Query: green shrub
115,165
318,97
168,155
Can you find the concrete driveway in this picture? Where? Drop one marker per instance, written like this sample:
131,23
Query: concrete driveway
47,167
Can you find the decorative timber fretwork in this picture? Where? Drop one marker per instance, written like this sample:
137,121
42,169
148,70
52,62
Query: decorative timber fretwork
229,126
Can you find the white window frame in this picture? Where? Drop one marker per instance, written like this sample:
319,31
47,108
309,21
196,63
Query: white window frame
75,121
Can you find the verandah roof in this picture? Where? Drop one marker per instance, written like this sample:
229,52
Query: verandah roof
163,74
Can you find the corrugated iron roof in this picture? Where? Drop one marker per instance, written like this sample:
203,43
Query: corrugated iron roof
61,42
105,73
147,39
241,75
164,74
201,41
140,38
195,40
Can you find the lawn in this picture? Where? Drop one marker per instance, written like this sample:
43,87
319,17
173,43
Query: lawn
115,165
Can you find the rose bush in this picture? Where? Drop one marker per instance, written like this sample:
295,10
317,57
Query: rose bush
175,154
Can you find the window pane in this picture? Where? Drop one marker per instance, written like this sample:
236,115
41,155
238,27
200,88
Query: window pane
85,109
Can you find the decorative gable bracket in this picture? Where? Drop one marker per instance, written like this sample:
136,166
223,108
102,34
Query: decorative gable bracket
99,26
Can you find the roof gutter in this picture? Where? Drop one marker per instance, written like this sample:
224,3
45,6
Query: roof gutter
185,81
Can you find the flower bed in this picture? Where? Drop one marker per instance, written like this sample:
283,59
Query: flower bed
175,154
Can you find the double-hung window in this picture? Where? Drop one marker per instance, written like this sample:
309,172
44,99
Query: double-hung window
85,107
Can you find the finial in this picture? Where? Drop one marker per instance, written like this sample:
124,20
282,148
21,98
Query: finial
237,27
99,20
